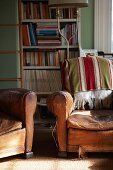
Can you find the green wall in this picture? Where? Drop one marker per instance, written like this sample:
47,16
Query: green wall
87,26
9,41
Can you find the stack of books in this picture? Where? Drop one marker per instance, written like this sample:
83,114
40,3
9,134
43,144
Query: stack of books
47,34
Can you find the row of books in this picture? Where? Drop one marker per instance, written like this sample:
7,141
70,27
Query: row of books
44,34
41,58
70,32
40,10
29,34
42,80
46,58
66,13
35,10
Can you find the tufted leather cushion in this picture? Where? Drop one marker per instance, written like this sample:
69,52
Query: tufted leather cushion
91,120
7,124
97,99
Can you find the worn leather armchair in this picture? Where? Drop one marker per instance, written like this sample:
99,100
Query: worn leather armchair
84,110
17,108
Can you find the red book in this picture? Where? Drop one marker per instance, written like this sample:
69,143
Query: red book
25,35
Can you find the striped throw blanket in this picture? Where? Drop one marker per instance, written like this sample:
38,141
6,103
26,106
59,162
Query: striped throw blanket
87,73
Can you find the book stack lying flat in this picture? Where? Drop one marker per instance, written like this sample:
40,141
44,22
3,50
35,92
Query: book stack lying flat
47,34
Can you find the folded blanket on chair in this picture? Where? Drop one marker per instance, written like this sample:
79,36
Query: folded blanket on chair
87,73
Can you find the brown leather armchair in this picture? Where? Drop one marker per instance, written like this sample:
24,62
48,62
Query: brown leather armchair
17,108
84,113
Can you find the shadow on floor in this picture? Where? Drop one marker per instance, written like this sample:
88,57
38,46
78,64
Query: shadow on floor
44,145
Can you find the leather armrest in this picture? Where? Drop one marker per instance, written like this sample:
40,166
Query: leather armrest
20,103
61,104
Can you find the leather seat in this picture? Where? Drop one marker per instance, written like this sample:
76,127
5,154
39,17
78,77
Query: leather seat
91,120
8,124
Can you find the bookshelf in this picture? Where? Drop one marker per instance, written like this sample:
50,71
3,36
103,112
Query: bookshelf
43,49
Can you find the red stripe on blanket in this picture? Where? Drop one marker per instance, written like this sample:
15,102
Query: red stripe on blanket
89,72
79,73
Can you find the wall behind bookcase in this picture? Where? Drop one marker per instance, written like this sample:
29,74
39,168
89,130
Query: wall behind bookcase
87,26
9,43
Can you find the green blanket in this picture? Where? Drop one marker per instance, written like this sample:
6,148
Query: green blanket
87,73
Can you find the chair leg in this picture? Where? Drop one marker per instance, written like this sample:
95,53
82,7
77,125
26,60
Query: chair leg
28,155
62,154
81,153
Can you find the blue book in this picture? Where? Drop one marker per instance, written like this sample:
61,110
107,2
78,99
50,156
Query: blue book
47,32
32,35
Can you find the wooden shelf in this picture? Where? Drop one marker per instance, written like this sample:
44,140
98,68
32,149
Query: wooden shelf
48,20
64,47
41,67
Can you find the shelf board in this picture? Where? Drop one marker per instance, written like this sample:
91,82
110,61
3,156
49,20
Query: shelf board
49,47
48,20
41,67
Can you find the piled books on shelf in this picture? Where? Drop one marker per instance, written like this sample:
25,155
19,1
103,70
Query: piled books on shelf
40,34
48,34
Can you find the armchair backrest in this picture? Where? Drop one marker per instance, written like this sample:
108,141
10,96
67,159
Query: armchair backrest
90,81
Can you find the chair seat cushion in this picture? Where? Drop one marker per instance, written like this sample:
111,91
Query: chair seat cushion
8,123
91,119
